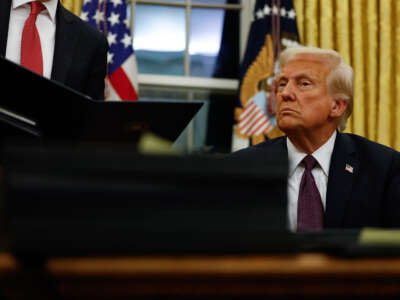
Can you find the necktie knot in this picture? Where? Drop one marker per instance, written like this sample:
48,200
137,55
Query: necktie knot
309,162
36,7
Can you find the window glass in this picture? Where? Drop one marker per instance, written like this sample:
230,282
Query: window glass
159,43
211,128
212,125
198,137
205,40
214,43
159,39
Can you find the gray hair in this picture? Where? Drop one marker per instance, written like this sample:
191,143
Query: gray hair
339,80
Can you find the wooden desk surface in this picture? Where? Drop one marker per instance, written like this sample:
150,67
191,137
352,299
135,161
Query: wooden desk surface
197,276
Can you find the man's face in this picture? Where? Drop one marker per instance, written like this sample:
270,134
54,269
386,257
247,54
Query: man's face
303,103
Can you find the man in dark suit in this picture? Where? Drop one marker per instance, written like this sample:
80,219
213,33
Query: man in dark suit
74,53
335,180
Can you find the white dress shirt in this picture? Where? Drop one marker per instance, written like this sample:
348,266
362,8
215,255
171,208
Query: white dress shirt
320,172
46,25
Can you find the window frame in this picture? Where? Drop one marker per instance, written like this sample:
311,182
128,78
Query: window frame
186,80
192,83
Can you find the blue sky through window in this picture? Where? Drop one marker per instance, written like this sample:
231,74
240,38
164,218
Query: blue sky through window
159,38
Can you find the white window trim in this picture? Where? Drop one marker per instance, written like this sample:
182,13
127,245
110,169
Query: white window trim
188,82
188,2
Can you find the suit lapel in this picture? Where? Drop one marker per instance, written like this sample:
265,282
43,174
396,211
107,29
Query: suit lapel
343,171
5,6
65,44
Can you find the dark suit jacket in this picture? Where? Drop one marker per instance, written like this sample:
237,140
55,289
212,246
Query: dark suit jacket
368,197
80,52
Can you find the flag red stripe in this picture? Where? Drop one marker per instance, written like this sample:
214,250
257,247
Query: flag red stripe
122,85
262,128
255,117
248,110
254,122
249,117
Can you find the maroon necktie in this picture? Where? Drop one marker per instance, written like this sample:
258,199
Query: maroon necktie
310,213
31,50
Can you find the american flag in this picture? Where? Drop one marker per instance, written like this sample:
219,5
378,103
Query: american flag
252,121
110,17
349,168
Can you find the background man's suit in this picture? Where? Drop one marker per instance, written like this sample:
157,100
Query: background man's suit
367,196
80,51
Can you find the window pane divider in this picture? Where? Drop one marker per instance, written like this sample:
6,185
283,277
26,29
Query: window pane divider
187,39
188,82
183,4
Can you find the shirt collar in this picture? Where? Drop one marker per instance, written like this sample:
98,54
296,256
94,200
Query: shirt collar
323,155
51,7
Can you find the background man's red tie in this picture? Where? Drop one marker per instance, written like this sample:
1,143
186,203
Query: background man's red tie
31,50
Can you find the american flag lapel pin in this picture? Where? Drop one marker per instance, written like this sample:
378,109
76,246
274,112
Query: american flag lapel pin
349,168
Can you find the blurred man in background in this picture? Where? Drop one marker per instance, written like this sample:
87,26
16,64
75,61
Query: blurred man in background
48,39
